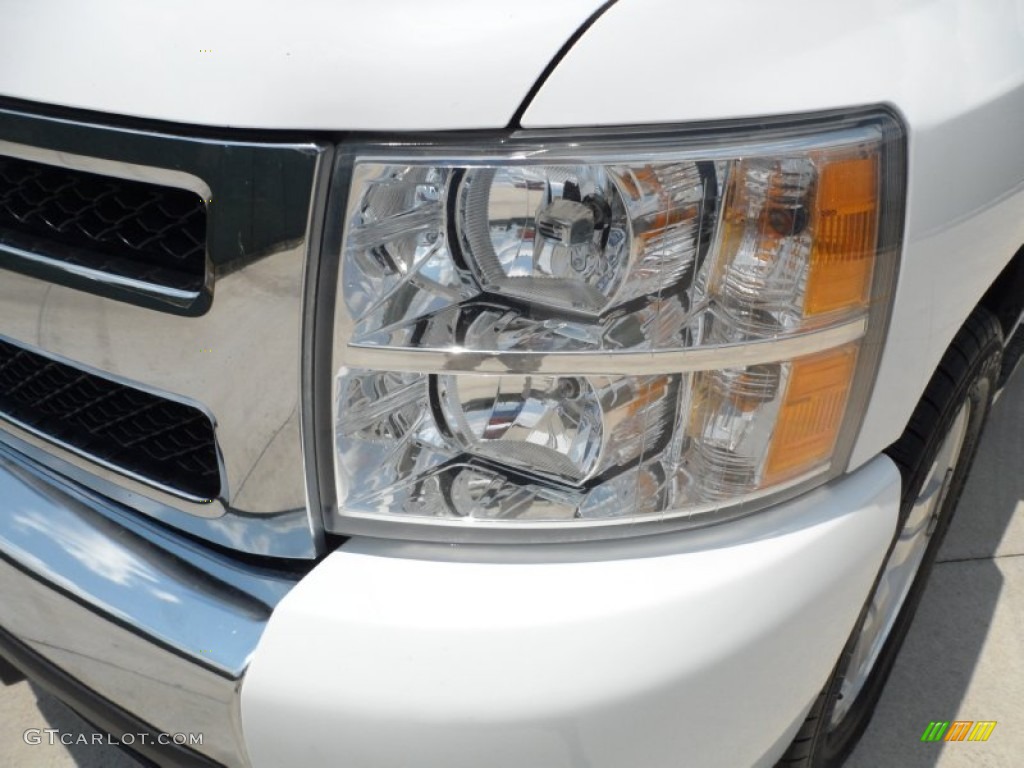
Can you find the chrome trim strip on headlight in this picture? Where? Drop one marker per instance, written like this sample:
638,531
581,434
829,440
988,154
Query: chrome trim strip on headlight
605,363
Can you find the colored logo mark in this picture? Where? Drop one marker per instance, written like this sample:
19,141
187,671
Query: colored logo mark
958,730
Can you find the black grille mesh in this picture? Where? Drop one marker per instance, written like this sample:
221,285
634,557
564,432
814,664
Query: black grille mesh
158,439
126,228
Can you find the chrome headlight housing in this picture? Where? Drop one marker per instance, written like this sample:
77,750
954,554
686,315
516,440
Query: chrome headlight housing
555,336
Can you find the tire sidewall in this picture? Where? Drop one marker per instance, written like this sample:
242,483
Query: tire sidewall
975,389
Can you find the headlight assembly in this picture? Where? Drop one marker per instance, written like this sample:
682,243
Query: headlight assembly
574,337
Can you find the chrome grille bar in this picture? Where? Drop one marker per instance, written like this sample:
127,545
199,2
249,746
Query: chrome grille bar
235,352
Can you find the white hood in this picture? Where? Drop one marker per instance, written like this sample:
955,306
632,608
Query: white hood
307,64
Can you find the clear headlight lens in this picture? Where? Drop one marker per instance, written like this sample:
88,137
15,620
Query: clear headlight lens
552,335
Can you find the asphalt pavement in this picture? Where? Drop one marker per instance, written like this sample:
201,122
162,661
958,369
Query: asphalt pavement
963,658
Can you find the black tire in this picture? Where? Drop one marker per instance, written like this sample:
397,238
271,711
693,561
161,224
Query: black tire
968,374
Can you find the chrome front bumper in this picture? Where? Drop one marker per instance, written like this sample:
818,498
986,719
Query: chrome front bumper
151,623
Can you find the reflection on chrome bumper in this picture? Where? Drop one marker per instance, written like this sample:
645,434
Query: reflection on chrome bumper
153,623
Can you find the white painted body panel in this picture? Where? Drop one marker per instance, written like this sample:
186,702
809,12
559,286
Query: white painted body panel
708,644
393,65
953,68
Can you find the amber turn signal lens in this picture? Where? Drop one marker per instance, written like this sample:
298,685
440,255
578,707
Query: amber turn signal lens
812,412
845,221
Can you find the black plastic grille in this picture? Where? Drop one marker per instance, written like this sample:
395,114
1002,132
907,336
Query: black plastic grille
158,439
130,229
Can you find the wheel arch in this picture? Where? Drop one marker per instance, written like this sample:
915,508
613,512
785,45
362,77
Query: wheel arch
1005,297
